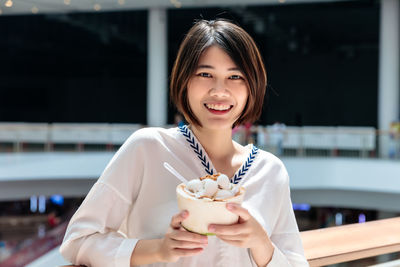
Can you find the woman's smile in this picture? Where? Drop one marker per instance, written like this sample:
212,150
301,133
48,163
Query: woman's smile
218,109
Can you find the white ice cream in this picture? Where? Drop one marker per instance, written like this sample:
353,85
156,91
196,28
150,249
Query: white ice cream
210,187
223,182
194,185
219,189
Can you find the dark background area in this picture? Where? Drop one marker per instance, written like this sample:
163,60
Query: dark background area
74,68
321,59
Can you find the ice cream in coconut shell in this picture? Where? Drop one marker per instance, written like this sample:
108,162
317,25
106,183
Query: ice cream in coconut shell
205,199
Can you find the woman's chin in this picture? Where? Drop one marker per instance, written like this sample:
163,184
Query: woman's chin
217,125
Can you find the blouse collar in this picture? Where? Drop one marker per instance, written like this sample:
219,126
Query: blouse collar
201,154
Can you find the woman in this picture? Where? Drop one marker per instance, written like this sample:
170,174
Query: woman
130,216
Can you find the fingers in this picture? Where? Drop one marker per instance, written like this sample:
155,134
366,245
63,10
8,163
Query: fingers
179,244
190,237
178,218
234,229
183,244
186,240
232,237
237,209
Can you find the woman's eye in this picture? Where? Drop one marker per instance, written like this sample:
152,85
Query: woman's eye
235,77
204,74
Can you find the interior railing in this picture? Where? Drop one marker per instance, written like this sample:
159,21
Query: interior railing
292,141
351,242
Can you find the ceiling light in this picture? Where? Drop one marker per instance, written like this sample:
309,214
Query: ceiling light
8,3
97,7
176,3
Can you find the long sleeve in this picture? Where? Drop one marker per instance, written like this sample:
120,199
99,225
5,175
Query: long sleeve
286,237
92,236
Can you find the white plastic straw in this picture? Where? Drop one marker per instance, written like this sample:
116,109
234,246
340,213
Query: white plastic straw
175,173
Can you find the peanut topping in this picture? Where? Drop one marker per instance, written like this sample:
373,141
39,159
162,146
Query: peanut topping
213,177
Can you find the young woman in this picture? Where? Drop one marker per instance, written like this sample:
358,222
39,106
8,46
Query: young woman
130,216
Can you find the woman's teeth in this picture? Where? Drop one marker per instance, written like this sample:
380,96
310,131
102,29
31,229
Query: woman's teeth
218,106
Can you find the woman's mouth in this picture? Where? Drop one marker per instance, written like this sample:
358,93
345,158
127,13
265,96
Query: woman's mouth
218,109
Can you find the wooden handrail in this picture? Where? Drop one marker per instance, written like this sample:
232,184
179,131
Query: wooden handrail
351,242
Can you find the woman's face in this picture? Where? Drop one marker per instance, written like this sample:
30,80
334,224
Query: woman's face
217,92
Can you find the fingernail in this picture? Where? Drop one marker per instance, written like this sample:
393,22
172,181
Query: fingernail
184,213
211,228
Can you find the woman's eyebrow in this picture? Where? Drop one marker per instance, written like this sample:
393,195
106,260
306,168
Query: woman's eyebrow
211,67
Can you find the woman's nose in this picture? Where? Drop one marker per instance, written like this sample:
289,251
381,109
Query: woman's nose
219,89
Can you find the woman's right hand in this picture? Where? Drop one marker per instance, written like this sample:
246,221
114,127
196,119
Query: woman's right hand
178,242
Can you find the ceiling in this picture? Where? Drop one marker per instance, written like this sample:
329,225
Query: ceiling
20,7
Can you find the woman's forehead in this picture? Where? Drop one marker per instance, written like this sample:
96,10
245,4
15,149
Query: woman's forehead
215,57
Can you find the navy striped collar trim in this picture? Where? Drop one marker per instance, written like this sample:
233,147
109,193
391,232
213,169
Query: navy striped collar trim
197,149
246,166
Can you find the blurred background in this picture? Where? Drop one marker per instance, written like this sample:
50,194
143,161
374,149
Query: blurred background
78,77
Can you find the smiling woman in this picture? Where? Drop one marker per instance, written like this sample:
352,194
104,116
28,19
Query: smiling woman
130,217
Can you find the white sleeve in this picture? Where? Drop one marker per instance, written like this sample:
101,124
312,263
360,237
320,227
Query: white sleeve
92,236
288,247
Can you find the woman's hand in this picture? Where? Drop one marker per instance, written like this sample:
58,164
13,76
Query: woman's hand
178,242
247,233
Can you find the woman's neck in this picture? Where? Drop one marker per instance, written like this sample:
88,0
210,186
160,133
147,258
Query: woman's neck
217,143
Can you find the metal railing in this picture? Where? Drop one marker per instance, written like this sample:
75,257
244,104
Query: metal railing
306,141
19,137
313,141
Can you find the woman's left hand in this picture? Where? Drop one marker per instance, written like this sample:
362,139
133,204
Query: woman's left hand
247,233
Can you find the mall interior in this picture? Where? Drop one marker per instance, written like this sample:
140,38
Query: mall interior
79,77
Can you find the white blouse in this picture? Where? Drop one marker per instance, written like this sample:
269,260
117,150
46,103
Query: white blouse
135,199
